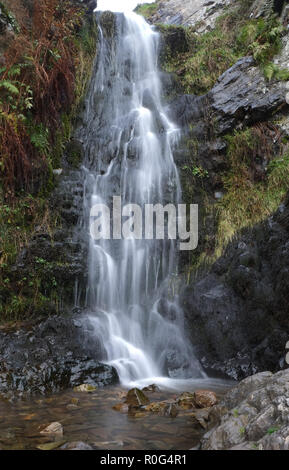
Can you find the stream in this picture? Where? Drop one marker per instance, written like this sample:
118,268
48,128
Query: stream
89,418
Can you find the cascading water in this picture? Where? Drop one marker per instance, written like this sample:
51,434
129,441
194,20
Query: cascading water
129,143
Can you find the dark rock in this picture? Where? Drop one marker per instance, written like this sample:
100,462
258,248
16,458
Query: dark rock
74,153
57,354
237,314
240,96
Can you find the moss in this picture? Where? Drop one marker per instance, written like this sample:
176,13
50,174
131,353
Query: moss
254,181
249,200
74,153
107,21
147,9
212,53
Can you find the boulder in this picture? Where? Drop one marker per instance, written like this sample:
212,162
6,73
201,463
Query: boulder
136,398
205,398
253,415
240,96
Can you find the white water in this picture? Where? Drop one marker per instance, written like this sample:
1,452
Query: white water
129,144
120,5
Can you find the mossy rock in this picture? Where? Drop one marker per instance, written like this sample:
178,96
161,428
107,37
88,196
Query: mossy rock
74,153
107,22
7,20
136,398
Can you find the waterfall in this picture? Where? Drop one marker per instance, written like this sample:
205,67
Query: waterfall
129,143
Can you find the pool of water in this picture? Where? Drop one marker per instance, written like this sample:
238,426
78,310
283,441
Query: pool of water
90,418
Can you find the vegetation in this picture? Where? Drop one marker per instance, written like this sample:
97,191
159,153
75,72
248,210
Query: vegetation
212,53
251,196
38,85
42,82
147,9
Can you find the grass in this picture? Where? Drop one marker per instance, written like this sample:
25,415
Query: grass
20,295
212,53
147,9
249,200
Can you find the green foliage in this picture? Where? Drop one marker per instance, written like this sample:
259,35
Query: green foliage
39,136
233,37
147,9
15,94
272,430
272,70
197,171
248,201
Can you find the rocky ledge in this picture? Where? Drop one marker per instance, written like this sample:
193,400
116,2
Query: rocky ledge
53,355
238,313
199,13
254,415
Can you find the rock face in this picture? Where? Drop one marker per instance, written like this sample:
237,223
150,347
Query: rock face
238,313
240,96
57,354
202,14
199,13
253,415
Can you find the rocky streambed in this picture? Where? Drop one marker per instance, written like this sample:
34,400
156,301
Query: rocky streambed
252,415
87,418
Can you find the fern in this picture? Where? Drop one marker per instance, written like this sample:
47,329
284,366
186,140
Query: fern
39,138
9,86
272,70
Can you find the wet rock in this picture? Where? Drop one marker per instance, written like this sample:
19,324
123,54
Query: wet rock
108,444
53,355
77,445
237,313
74,153
156,407
254,100
205,398
201,417
186,400
163,408
54,428
136,398
91,6
85,388
50,445
170,410
151,388
74,401
253,415
107,21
